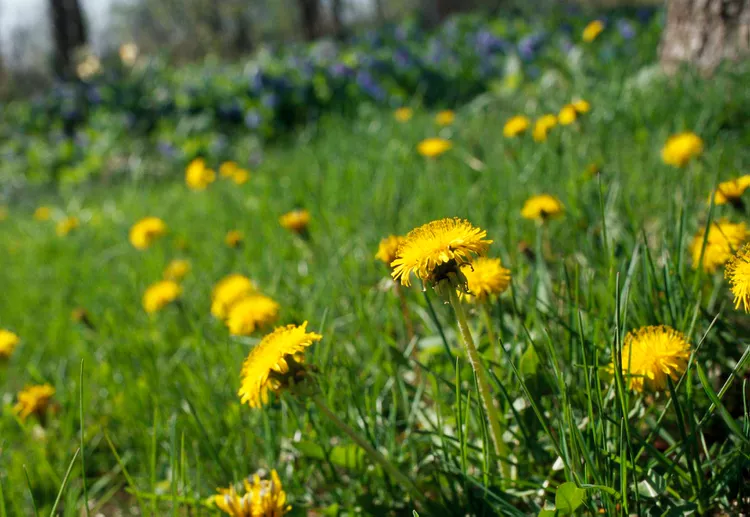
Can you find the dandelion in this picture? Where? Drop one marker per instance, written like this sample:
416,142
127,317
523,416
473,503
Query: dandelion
8,342
723,239
543,126
445,117
33,400
228,291
176,270
240,176
146,231
652,354
433,147
198,176
67,225
233,238
592,30
567,115
581,106
388,247
403,114
737,272
252,313
730,192
262,498
128,53
160,294
681,148
516,126
485,278
296,221
227,169
542,208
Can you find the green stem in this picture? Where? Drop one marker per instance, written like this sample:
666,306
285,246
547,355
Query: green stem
376,456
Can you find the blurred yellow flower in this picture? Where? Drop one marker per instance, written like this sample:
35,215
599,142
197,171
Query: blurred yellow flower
542,207
252,313
33,400
128,53
403,114
233,238
228,291
388,247
240,176
67,225
273,362
486,278
651,354
724,238
176,270
433,147
543,126
568,115
731,191
198,176
42,213
146,231
681,148
437,249
593,30
160,294
296,220
262,498
581,106
227,169
516,126
737,272
445,117
8,343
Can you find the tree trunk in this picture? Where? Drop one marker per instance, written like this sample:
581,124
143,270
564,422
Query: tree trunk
705,32
309,11
69,29
339,31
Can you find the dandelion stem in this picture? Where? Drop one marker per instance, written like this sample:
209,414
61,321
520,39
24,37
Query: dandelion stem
376,456
490,330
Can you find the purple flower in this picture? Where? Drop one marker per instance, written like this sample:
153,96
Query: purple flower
370,86
626,29
252,119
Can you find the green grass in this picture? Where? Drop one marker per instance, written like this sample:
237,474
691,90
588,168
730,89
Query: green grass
160,426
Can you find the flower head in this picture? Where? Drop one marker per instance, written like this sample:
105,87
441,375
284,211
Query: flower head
8,343
262,498
388,247
227,169
437,249
593,30
542,207
198,176
543,126
581,106
723,239
146,231
33,400
128,53
42,213
731,191
252,313
568,114
240,176
445,117
515,126
433,147
296,220
233,238
67,225
651,354
274,363
228,291
403,114
681,148
737,272
486,278
176,270
160,294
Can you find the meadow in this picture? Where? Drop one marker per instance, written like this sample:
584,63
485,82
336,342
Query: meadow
386,414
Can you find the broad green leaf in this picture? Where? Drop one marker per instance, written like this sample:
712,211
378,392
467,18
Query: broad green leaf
568,498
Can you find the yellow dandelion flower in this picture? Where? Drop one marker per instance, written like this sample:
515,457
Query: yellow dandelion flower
433,147
252,313
146,231
737,272
581,106
593,30
128,53
730,192
228,291
403,114
296,220
240,176
567,115
651,354
262,498
388,247
437,249
67,225
233,238
42,213
724,238
274,362
160,294
681,148
445,117
543,126
486,278
227,169
516,126
198,176
33,400
176,270
8,343
542,207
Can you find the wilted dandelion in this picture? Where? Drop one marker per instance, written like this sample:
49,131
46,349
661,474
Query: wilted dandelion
33,400
592,31
8,342
296,221
737,272
262,498
543,126
730,192
198,176
228,291
516,126
433,147
252,313
542,208
486,278
724,238
403,114
681,148
445,117
227,169
651,354
67,225
388,247
146,231
568,114
233,238
160,294
176,270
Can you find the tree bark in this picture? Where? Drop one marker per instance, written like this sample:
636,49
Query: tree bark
704,33
339,31
309,12
70,33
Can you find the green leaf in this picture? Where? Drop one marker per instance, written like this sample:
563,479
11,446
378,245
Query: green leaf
349,456
547,513
568,498
529,363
